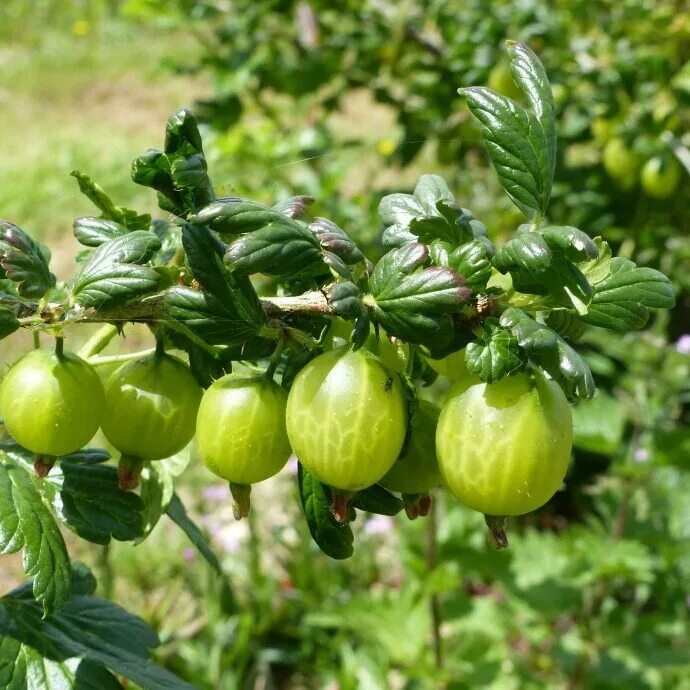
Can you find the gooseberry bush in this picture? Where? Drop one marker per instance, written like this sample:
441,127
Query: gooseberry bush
294,341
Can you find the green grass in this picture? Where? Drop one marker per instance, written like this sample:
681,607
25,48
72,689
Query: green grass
90,102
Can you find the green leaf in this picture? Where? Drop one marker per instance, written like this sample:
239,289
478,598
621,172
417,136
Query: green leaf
429,213
570,242
294,206
8,322
598,425
597,269
93,232
235,215
530,334
177,513
129,219
283,248
152,169
548,350
473,262
377,499
495,355
89,628
531,77
269,242
521,142
527,258
113,275
567,323
345,300
337,241
28,669
416,303
214,321
158,487
622,300
24,261
26,523
333,538
205,258
179,173
85,495
541,266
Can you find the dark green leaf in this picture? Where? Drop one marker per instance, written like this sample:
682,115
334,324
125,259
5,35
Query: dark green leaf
235,215
8,322
152,169
333,538
415,304
570,242
114,275
495,355
335,240
473,262
214,321
345,299
294,206
527,258
283,248
540,269
177,513
551,353
205,257
93,232
566,323
182,135
269,242
24,261
429,213
530,334
85,495
521,142
622,300
179,173
126,217
88,628
530,76
376,499
26,523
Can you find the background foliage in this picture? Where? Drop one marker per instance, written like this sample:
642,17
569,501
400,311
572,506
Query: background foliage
594,590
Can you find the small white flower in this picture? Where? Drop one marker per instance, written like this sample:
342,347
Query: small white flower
683,344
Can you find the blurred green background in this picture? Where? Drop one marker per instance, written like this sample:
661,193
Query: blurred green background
348,101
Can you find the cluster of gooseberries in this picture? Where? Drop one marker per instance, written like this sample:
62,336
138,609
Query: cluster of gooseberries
500,448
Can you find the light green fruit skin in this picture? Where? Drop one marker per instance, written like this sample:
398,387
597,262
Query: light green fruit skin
240,429
393,356
504,448
346,418
454,367
621,163
660,177
501,79
150,407
416,471
52,404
